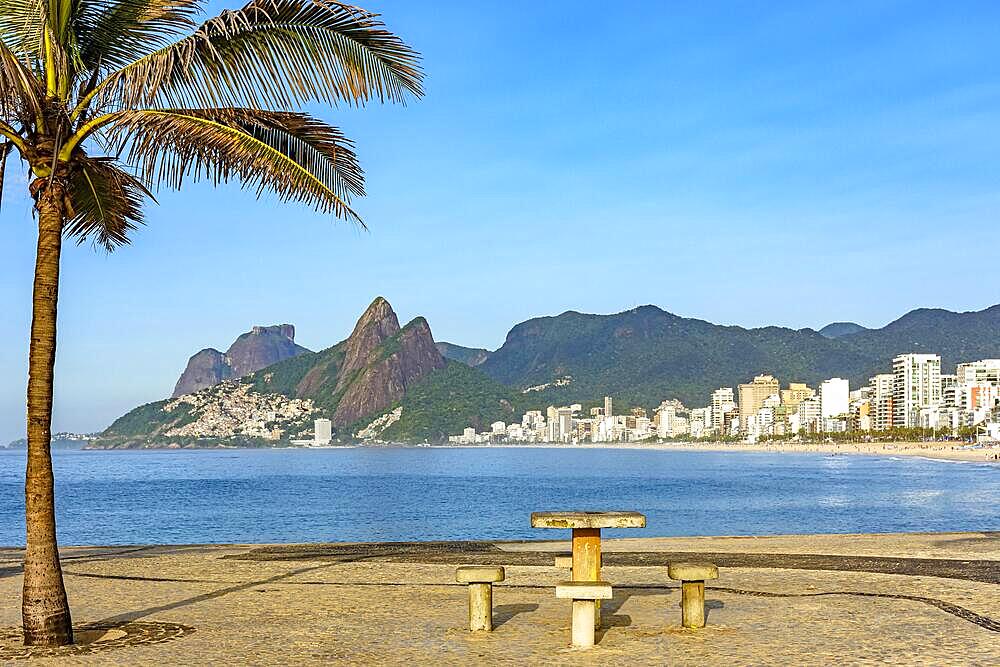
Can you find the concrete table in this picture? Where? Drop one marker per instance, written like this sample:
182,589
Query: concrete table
586,527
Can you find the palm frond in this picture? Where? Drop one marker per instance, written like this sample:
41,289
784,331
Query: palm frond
21,94
273,54
22,25
105,203
297,157
114,33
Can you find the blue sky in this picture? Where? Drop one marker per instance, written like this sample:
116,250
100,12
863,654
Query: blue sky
745,163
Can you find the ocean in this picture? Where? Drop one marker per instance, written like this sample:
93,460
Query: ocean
396,494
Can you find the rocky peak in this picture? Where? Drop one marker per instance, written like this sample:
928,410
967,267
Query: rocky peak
381,361
204,369
261,347
286,330
258,348
377,324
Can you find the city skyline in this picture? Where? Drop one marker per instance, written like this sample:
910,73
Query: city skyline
707,171
115,411
915,395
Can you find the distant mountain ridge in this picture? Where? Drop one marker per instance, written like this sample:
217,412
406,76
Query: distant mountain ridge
258,348
838,329
470,356
647,354
399,378
356,379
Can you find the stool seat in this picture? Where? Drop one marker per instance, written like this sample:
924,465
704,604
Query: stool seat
480,579
693,576
479,574
692,571
584,590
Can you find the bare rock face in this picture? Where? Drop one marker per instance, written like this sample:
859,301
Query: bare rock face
261,347
205,369
377,324
252,351
381,361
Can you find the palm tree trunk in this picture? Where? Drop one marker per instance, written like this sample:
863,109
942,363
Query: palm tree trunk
44,608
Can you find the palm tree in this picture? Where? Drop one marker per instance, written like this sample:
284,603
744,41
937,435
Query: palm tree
107,100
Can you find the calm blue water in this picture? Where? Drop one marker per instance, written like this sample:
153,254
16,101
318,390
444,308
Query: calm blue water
142,497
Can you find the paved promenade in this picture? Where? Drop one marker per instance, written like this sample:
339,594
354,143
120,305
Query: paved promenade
920,599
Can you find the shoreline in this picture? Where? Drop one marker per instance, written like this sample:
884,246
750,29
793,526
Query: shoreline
939,451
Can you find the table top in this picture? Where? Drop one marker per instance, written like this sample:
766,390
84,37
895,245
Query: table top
588,520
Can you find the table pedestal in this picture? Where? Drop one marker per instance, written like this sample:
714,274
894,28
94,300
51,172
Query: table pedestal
587,560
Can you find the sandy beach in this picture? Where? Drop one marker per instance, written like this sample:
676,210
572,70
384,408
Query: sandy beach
949,451
913,599
944,451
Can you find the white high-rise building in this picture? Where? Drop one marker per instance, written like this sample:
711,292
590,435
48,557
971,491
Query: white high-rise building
700,422
834,397
881,412
949,391
917,385
977,387
322,431
532,420
667,414
984,371
553,435
723,401
810,414
608,407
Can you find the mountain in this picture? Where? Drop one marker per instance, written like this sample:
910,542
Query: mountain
470,356
363,375
646,354
357,379
258,348
393,383
381,361
451,399
838,329
955,336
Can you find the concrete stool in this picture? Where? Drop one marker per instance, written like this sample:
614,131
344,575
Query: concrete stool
480,579
692,577
564,561
584,595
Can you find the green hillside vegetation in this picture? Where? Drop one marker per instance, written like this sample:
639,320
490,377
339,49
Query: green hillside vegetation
645,355
838,329
470,356
957,337
147,418
451,399
311,376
